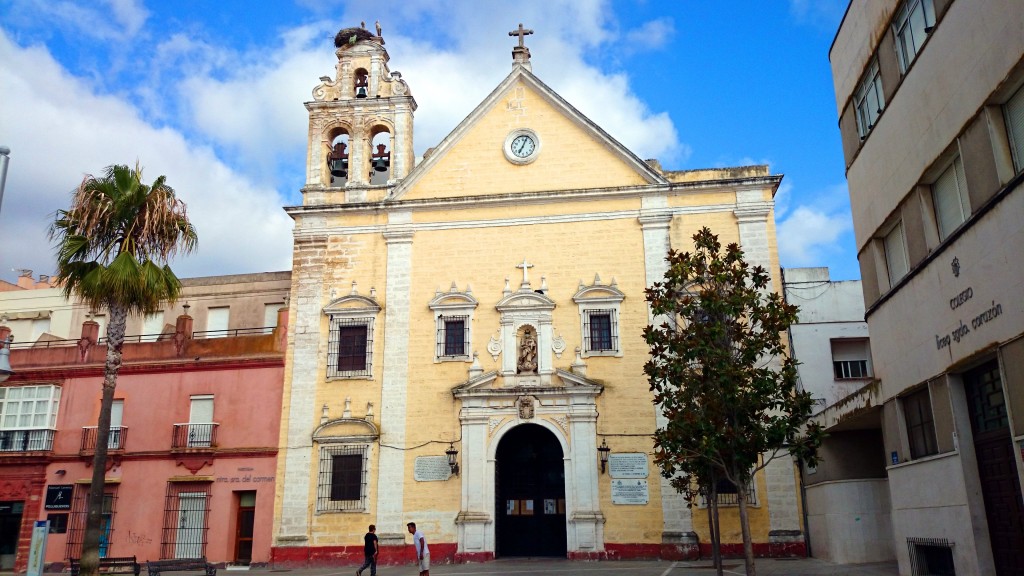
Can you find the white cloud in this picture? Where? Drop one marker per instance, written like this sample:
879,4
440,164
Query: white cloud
810,234
651,34
110,20
58,130
823,14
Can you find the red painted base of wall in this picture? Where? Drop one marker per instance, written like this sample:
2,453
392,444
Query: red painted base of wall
446,553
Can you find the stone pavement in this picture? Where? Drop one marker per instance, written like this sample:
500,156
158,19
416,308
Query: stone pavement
530,567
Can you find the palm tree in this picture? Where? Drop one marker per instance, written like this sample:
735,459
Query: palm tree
112,245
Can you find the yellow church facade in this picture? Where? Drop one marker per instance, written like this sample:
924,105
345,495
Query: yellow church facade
465,334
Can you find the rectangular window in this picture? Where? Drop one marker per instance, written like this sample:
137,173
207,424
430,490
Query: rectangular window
40,326
28,417
58,523
917,412
850,358
217,321
949,197
76,522
186,520
868,100
270,315
116,439
200,422
912,24
350,347
600,331
1014,112
342,481
453,337
152,326
896,254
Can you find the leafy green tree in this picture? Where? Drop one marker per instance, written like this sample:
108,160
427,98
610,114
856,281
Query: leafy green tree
113,245
720,372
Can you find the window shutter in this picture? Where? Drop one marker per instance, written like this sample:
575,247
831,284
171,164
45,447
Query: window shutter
1015,127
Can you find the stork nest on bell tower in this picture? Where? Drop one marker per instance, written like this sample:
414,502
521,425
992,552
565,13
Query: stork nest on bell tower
347,36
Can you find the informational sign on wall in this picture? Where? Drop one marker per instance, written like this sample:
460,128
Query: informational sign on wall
37,548
629,492
58,497
627,465
431,469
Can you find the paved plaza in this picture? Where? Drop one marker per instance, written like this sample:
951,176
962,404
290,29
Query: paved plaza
529,567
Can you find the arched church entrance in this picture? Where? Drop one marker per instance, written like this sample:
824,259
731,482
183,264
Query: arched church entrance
530,489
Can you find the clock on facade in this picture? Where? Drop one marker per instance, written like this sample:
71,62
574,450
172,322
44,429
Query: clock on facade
522,146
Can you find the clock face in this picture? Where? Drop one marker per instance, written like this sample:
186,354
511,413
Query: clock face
523,146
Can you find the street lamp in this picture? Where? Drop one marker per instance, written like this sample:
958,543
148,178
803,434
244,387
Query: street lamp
5,358
4,153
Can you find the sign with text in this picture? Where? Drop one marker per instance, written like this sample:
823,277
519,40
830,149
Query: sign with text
630,492
37,548
58,496
431,469
627,465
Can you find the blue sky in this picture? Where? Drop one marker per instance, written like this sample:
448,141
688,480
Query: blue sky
211,94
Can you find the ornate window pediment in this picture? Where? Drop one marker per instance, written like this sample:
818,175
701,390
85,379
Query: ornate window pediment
453,321
350,342
599,317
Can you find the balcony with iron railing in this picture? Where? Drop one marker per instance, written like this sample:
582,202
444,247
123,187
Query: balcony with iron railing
26,440
188,437
115,442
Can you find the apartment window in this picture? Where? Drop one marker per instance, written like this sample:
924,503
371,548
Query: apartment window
949,198
917,413
896,253
152,326
270,315
186,520
200,422
868,100
217,321
850,358
341,485
1014,112
28,417
76,522
913,22
40,326
350,341
116,439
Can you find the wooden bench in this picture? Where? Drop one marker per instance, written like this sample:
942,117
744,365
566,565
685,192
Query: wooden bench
155,567
111,565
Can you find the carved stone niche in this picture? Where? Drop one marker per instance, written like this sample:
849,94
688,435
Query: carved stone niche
526,331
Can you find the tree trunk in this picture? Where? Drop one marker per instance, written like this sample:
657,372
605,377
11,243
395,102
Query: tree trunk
713,524
748,545
94,529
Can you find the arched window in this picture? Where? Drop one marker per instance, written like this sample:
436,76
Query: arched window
380,156
337,159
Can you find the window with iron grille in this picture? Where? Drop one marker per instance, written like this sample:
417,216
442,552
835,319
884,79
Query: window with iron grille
350,347
76,523
728,494
600,333
341,486
917,412
452,337
186,520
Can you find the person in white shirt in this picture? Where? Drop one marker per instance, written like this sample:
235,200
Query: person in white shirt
422,552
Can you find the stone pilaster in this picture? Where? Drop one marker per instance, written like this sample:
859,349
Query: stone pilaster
780,479
307,281
395,379
655,223
586,522
752,215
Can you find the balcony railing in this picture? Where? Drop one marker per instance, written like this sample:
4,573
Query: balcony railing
26,440
202,334
187,436
116,440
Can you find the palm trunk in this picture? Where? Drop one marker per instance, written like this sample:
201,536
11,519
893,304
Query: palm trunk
748,545
90,557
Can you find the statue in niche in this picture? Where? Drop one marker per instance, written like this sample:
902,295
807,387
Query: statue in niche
527,363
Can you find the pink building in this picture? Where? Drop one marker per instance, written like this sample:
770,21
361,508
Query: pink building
193,449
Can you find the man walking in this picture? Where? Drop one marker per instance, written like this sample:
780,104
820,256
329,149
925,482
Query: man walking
370,551
422,552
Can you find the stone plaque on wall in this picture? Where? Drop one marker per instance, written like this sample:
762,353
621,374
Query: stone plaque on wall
632,491
627,465
431,469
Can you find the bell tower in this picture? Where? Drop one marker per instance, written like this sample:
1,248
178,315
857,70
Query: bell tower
360,124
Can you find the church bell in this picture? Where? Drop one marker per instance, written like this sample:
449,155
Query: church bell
381,159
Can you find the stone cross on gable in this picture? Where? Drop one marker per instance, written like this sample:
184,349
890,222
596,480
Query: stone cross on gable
522,33
525,266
